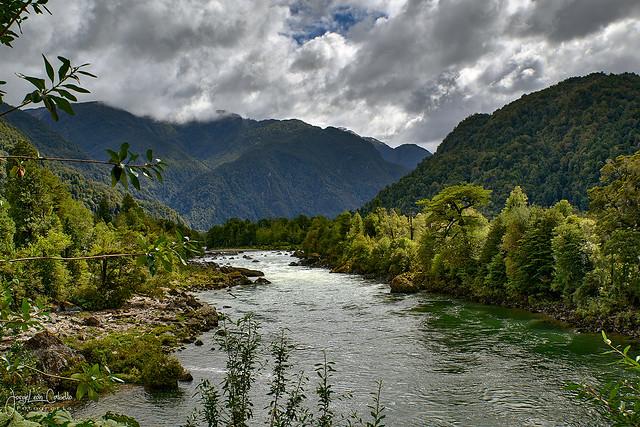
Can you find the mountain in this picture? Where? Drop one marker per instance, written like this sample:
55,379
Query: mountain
237,167
552,143
406,155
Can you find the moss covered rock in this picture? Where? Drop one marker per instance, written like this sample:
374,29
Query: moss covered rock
404,283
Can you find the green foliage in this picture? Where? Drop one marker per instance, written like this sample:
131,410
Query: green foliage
92,380
58,95
60,417
526,255
134,357
233,407
552,143
161,372
619,401
275,232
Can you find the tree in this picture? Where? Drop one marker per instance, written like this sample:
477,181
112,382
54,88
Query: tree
616,205
454,230
572,255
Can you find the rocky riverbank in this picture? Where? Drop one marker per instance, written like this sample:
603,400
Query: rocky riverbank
143,332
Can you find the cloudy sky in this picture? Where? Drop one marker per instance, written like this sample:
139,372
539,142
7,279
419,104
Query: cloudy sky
399,70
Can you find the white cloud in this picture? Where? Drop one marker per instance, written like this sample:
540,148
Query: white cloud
408,72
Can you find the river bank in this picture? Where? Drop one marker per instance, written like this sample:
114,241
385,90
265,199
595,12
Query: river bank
144,332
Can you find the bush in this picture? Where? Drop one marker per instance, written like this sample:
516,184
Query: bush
161,372
133,357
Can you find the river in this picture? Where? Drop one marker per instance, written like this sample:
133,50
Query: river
442,361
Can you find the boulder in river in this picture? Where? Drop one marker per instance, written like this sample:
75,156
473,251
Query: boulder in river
262,281
404,283
247,272
344,268
236,279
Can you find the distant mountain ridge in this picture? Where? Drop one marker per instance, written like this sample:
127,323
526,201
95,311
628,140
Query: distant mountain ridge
232,166
552,142
407,155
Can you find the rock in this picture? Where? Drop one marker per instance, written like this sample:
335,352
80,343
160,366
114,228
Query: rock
185,376
189,340
68,307
207,317
262,281
344,268
91,321
255,260
246,257
52,355
294,264
161,373
199,343
244,271
298,254
404,283
313,259
236,279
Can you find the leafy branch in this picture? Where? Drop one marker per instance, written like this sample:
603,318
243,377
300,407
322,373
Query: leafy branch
124,169
61,92
617,400
162,252
12,13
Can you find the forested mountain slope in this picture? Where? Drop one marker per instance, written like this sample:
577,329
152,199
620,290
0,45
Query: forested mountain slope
552,143
240,167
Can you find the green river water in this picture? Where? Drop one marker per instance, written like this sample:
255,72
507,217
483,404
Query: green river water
443,362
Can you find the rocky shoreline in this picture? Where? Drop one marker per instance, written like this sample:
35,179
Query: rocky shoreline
176,316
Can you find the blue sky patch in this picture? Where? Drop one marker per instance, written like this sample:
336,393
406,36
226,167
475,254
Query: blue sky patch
339,20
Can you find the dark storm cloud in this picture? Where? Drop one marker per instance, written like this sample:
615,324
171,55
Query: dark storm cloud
561,20
399,70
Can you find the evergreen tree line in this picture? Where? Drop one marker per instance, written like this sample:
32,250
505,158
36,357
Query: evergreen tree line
526,255
273,233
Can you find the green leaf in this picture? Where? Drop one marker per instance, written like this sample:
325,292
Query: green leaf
67,95
49,69
133,177
76,88
37,82
63,104
86,73
149,155
64,68
52,108
115,157
115,175
124,150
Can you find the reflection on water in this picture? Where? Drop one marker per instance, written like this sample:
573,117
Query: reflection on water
443,362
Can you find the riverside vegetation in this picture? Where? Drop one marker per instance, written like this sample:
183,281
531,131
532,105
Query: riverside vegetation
58,254
122,267
578,266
